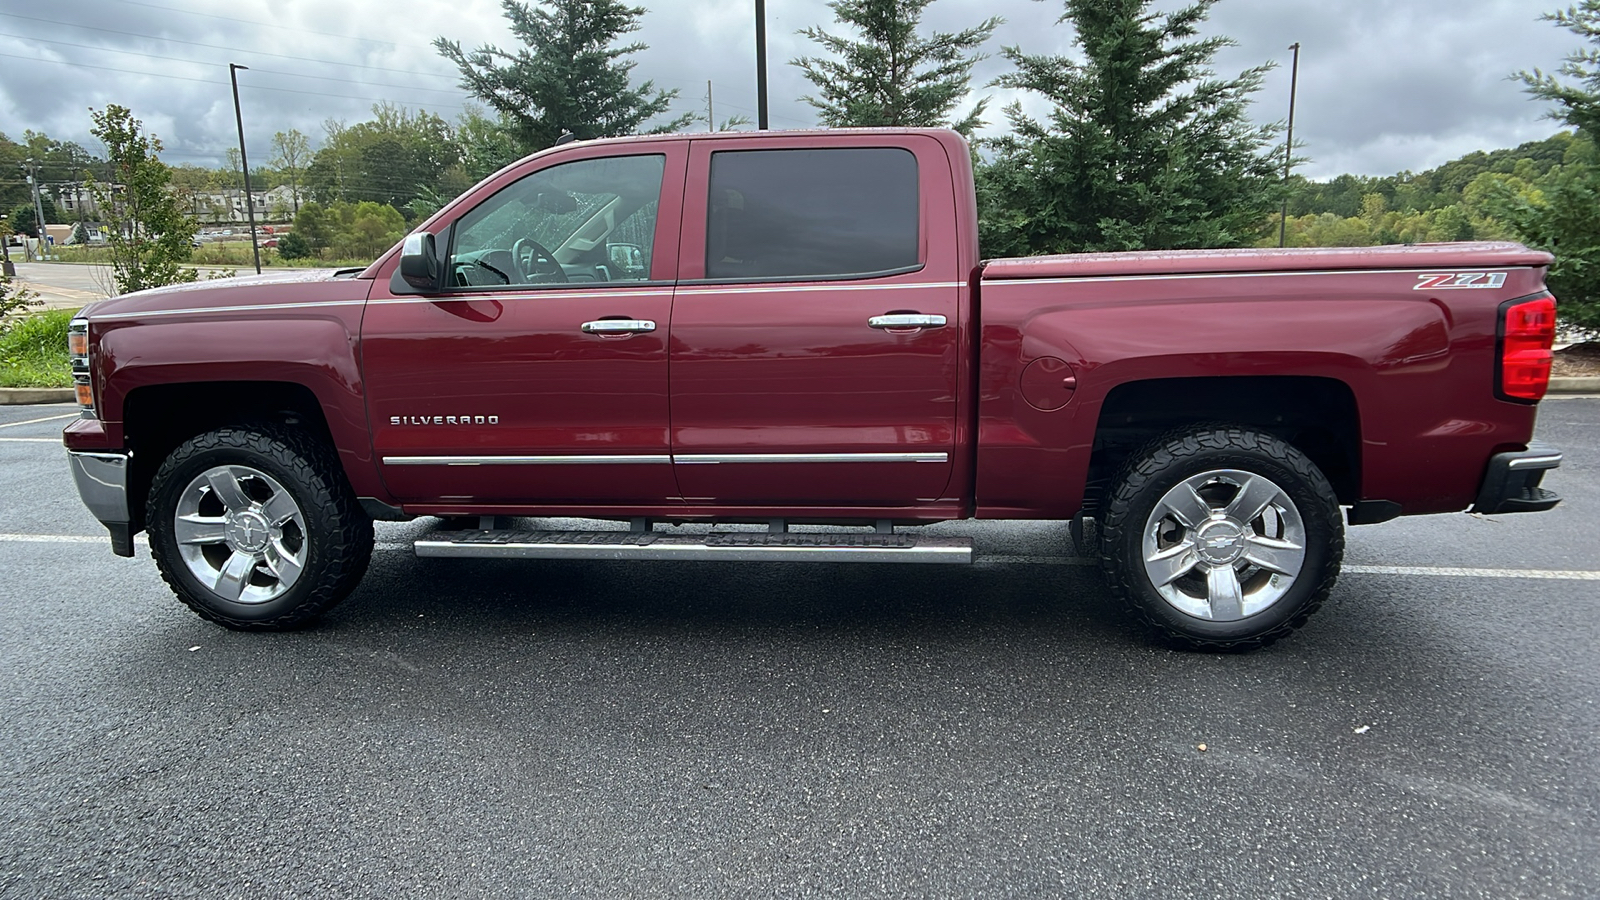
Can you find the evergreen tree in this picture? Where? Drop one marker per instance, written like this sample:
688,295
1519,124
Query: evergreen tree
1145,149
148,234
892,75
1565,218
568,77
1577,104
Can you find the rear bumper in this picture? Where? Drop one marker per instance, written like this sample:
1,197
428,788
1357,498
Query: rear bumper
1512,482
102,480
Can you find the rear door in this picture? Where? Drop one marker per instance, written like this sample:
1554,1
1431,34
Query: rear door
814,356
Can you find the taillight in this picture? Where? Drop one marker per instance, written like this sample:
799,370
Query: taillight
1527,332
78,349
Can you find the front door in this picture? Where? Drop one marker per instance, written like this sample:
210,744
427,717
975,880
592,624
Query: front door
815,327
539,375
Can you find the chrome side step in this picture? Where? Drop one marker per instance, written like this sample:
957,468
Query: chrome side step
716,547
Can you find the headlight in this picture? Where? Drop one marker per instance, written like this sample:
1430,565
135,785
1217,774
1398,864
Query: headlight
78,348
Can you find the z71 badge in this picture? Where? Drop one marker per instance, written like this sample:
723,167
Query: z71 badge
1460,281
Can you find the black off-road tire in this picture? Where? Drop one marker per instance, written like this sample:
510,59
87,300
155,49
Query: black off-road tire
1169,460
337,534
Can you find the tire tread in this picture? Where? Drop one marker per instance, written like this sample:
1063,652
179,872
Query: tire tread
331,510
1173,448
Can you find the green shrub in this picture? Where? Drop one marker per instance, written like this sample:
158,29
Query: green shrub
34,352
293,246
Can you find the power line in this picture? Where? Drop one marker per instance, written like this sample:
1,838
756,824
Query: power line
178,59
294,28
254,87
151,37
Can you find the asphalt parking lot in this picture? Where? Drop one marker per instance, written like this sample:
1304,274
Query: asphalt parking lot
587,729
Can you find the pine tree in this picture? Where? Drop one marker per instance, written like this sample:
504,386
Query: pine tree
1145,148
1565,218
1577,104
568,77
892,76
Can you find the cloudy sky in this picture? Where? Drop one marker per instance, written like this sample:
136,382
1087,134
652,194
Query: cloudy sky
1385,85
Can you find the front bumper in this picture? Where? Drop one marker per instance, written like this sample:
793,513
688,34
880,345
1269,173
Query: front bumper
1512,482
102,480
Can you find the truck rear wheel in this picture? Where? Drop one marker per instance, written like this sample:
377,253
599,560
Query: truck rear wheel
254,528
1222,539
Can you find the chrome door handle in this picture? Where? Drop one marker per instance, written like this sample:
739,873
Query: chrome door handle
906,320
618,326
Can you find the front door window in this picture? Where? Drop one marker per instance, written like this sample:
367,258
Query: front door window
588,221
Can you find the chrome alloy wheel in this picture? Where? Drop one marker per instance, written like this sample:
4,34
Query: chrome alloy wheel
241,534
1224,545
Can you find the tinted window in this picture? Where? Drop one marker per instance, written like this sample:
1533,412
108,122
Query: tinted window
810,213
584,221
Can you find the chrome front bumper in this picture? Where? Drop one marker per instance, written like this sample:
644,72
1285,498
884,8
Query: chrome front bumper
102,480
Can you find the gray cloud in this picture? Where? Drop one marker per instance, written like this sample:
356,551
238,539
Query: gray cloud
1383,86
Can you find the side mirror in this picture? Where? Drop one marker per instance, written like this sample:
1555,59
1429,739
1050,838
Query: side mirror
419,262
627,258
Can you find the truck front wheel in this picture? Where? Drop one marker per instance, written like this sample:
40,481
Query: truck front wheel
254,528
1222,539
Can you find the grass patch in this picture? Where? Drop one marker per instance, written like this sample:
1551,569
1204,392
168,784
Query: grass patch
34,352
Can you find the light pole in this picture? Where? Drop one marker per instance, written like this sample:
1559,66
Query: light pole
244,163
761,65
1288,150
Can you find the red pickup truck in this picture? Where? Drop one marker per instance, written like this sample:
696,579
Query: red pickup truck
796,328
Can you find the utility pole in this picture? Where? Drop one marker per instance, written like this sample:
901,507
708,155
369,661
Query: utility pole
38,208
8,267
1288,150
711,111
244,163
761,64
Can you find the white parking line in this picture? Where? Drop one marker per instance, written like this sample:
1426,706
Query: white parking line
35,421
30,440
1451,572
52,538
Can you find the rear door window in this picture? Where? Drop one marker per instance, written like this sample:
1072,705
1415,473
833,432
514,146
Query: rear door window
805,214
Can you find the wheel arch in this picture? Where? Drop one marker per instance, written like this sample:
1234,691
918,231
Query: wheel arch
158,418
1317,415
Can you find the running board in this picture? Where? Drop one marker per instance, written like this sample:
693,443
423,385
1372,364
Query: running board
737,546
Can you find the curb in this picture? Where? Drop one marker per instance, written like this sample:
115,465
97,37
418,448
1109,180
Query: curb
21,396
1575,384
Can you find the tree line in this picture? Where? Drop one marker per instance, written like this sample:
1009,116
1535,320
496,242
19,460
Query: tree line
1143,144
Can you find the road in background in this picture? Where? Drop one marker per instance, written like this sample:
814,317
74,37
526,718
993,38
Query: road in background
64,285
489,728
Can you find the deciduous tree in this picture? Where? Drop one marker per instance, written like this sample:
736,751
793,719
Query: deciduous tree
387,160
291,154
149,236
1146,148
889,74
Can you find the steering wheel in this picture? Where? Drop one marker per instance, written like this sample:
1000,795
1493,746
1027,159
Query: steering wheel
536,264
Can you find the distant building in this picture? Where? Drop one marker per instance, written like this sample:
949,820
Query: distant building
227,205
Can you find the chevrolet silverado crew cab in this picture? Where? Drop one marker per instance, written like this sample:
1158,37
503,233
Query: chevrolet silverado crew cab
796,328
